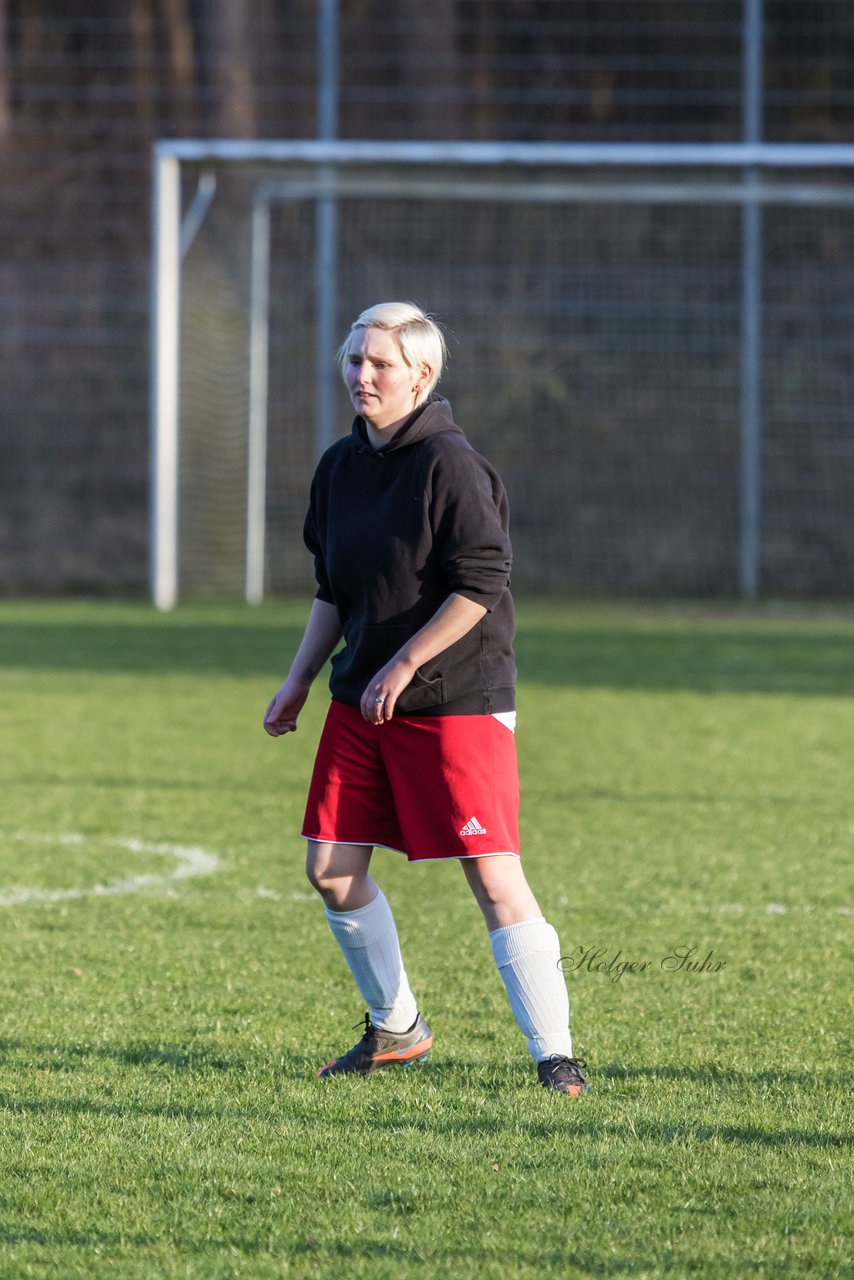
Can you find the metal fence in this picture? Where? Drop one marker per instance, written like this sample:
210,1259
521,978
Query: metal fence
86,90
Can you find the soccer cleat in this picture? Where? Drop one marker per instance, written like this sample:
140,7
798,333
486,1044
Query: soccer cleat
563,1075
379,1048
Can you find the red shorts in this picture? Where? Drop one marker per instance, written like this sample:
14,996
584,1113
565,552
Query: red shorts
428,786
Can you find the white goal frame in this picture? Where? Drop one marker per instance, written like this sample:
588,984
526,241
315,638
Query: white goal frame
470,171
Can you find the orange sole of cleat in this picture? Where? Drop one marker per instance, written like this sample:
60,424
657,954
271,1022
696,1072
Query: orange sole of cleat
417,1053
413,1061
406,1055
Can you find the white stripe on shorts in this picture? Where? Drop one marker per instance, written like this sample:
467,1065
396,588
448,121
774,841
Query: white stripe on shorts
507,718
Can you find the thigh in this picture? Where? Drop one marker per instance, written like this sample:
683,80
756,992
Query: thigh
325,860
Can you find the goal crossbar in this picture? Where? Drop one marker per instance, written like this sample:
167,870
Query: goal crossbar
336,175
738,155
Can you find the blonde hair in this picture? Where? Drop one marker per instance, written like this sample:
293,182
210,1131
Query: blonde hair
418,337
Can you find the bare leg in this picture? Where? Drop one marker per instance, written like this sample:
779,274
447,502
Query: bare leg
501,890
339,873
526,951
363,926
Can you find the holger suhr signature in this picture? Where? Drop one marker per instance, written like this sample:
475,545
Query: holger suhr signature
682,959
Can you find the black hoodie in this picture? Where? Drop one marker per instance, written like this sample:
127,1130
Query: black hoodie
394,532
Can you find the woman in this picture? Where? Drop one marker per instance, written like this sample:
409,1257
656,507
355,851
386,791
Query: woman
408,528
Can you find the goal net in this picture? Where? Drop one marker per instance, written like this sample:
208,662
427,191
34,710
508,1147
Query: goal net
602,353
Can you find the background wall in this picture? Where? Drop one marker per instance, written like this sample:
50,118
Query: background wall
86,88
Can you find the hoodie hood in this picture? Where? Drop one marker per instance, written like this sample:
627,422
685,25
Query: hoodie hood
432,418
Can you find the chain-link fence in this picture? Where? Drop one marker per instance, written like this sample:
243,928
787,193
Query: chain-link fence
634,309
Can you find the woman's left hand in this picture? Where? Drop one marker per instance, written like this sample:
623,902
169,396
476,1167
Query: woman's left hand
383,691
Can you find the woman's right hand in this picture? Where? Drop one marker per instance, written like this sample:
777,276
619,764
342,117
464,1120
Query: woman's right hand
281,714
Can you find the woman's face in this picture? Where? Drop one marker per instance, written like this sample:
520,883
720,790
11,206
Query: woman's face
382,386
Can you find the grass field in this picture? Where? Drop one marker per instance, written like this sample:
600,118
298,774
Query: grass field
169,985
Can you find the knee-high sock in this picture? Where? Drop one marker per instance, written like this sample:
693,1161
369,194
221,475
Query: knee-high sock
368,939
527,956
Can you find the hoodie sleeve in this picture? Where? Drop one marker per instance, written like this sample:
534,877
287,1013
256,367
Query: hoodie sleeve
311,537
469,516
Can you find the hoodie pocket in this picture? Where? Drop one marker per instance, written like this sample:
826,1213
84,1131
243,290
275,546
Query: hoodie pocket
422,691
368,647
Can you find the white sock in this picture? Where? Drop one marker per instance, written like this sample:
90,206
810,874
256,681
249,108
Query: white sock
368,939
527,956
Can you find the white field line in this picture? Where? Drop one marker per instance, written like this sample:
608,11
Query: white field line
275,895
191,860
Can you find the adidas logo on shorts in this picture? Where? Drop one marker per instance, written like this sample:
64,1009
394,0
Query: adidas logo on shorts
473,828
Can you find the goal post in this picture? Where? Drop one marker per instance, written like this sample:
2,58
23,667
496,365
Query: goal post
407,179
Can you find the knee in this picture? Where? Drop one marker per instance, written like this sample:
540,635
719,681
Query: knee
315,876
319,869
494,880
501,890
486,891
339,873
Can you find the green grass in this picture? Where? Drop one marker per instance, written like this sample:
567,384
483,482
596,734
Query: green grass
686,783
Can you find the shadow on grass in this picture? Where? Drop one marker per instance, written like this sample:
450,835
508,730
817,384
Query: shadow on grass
14,1235
752,660
642,1131
176,1057
454,1259
459,1259
753,657
457,1079
162,1059
211,1058
148,644
311,1251
13,1105
713,1073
